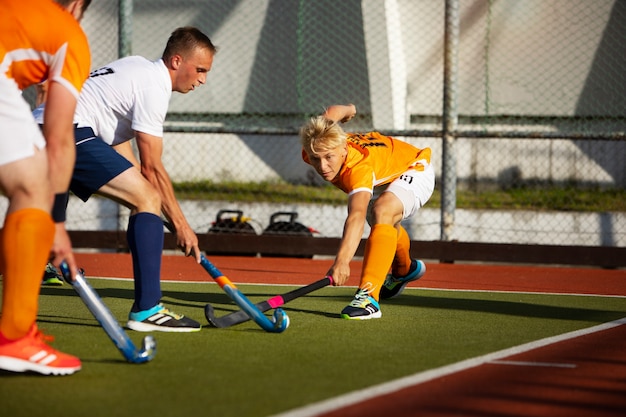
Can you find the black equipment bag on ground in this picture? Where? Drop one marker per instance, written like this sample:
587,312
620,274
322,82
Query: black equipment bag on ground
288,227
229,222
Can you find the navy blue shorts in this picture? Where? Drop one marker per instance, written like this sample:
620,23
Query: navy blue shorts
97,163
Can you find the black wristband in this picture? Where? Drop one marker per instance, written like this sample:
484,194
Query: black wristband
59,207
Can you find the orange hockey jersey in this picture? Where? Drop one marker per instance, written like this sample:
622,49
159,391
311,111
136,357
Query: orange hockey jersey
375,159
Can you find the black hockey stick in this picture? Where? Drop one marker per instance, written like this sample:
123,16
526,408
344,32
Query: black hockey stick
277,324
241,316
112,328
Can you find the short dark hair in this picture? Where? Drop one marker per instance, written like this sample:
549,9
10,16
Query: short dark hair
184,40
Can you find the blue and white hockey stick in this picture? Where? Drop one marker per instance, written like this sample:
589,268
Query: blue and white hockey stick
280,320
240,316
112,328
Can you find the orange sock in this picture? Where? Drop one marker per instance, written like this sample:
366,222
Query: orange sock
402,260
379,253
26,241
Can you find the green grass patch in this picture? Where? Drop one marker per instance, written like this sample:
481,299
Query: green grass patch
557,198
274,192
243,371
554,199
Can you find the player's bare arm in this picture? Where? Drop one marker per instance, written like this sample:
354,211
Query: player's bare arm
351,238
61,149
340,113
152,168
59,133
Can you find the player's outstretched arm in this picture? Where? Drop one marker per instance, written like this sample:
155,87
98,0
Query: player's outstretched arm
351,238
340,112
58,130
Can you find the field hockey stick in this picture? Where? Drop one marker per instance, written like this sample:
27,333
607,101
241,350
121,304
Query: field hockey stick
100,311
240,316
280,320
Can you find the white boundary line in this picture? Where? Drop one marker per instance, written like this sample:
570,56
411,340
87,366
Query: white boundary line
421,377
578,294
211,281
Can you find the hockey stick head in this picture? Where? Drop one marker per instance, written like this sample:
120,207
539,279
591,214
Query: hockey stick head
280,320
131,353
209,313
147,352
103,315
277,324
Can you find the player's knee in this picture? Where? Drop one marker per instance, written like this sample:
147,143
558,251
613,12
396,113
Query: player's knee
384,214
150,201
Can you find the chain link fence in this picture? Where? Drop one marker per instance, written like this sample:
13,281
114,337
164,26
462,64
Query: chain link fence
538,111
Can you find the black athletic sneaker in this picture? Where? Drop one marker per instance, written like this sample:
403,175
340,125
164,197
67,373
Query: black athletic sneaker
393,286
362,307
51,276
160,319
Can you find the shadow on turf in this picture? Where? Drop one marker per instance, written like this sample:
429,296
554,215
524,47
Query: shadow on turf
224,305
71,320
129,294
512,308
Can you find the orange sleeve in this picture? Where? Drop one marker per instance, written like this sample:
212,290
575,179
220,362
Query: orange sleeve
39,40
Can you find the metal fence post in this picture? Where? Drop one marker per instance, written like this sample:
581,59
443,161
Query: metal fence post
450,119
125,28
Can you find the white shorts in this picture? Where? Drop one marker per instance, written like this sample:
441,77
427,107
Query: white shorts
413,188
19,134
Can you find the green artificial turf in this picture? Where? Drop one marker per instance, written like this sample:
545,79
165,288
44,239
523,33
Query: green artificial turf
244,371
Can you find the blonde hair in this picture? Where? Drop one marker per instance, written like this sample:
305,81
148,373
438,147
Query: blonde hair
321,134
